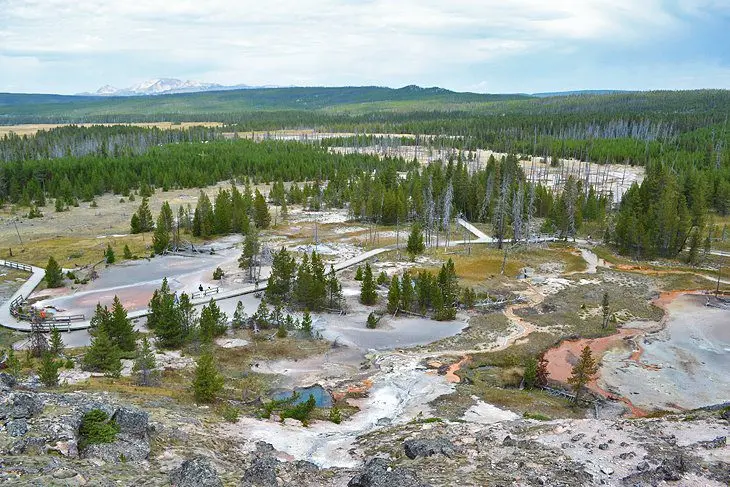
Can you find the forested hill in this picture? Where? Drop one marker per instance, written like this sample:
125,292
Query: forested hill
269,108
20,108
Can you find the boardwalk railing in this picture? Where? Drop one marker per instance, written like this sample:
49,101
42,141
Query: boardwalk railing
16,265
205,293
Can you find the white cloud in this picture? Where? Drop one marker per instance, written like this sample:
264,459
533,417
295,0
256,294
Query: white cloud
314,41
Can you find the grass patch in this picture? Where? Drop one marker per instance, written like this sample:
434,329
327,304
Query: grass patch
8,337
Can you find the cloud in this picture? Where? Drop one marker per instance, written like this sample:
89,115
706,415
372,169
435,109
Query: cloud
326,42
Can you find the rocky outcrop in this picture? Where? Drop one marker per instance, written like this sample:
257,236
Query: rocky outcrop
195,472
7,382
132,441
262,470
20,405
428,447
379,473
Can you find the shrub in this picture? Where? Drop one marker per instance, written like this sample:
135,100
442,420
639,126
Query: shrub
301,411
536,416
230,413
335,415
218,274
96,428
372,321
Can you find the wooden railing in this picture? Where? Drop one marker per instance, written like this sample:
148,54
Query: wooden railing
16,265
205,293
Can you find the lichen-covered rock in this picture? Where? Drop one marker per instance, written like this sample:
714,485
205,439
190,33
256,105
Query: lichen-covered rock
132,422
120,451
7,382
16,427
195,472
378,473
262,471
427,448
20,405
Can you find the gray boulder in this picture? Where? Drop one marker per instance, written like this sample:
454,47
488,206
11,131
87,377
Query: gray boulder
378,473
20,405
7,382
262,471
195,472
428,447
132,422
16,427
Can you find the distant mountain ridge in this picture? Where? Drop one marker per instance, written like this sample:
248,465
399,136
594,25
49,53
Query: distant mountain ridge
165,86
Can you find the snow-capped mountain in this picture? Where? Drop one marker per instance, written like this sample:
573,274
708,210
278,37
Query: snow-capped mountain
163,86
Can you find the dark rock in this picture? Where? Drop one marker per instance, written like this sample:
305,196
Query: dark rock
603,446
643,466
509,441
133,422
672,468
17,427
20,405
718,442
377,473
195,472
577,437
28,446
427,448
7,382
262,471
120,451
627,455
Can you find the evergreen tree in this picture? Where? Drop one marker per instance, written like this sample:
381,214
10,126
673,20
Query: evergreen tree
415,245
188,316
102,355
334,290
127,253
372,321
101,319
48,371
223,213
261,216
358,274
204,218
12,363
145,365
542,374
109,255
394,295
56,343
382,278
208,382
281,278
406,292
165,318
530,374
120,329
143,221
161,236
368,294
307,323
251,248
239,317
54,274
583,372
606,310
212,322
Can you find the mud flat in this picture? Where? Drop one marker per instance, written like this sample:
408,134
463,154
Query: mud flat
686,365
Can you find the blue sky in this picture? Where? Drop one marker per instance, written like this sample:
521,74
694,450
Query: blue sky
497,46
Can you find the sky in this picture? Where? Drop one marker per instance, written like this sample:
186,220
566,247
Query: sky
486,46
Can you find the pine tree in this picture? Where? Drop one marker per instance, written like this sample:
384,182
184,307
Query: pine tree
415,245
394,295
307,323
109,255
251,249
48,371
530,374
12,363
127,253
165,318
188,316
368,294
212,322
239,317
334,290
161,236
56,343
583,372
121,330
145,365
261,215
54,274
606,310
358,274
143,221
382,278
372,321
102,355
208,382
542,375
406,292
